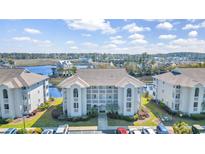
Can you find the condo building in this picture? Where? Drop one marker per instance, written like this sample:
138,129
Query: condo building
182,89
102,89
21,92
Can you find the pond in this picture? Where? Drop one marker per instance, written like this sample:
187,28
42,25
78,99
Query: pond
46,70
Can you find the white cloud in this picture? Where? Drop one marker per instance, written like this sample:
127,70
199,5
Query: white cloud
167,37
22,38
165,25
190,26
70,42
117,40
35,41
91,25
116,37
86,35
107,46
194,26
137,38
193,33
73,47
32,31
90,44
132,28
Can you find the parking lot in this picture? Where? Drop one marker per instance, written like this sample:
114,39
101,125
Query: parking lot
93,132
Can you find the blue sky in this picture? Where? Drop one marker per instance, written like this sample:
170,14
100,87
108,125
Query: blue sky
102,36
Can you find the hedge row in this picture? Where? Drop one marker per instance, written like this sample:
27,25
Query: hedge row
115,115
58,114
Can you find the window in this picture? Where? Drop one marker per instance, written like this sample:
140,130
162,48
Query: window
75,92
196,94
177,96
129,92
178,87
94,96
89,107
195,106
6,106
176,107
128,105
5,93
75,105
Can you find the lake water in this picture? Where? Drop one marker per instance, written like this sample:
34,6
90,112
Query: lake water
45,70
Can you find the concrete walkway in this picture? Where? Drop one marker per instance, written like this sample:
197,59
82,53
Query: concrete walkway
102,121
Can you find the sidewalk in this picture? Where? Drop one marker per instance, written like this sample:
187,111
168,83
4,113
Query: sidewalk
102,121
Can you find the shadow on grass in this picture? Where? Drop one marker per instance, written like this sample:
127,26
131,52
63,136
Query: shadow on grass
46,120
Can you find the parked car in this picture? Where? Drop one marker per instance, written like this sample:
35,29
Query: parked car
197,129
148,131
62,129
48,131
121,130
161,129
134,131
11,131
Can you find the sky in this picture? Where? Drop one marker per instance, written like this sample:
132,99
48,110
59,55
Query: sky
102,36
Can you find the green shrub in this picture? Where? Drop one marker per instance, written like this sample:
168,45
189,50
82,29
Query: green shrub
114,115
38,130
136,117
181,128
197,116
51,99
3,121
22,131
30,131
44,106
56,113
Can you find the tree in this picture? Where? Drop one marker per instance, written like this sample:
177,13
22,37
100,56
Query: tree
181,128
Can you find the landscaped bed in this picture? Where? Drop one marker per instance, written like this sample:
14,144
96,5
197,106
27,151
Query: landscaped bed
44,119
149,119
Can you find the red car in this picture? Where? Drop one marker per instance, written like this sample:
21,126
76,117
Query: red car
122,131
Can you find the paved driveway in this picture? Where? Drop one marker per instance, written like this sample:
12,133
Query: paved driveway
102,121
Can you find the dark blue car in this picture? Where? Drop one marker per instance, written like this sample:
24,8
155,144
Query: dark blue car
161,129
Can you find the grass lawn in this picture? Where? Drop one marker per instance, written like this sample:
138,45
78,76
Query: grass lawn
151,121
44,119
118,122
56,81
157,110
35,62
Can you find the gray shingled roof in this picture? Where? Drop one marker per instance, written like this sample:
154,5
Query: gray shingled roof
17,78
101,77
187,77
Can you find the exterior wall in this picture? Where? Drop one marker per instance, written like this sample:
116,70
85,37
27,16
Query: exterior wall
23,99
105,98
166,93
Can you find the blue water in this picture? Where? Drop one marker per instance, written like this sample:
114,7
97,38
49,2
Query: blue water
45,70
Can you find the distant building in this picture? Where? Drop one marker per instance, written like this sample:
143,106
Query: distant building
102,89
62,68
84,63
5,64
182,90
21,92
149,87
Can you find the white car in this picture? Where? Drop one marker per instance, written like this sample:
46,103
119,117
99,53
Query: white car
48,131
11,131
62,129
147,130
135,131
